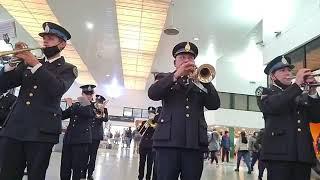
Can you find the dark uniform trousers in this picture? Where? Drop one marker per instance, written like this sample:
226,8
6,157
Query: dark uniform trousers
19,154
287,142
34,122
146,153
181,132
73,160
97,136
76,141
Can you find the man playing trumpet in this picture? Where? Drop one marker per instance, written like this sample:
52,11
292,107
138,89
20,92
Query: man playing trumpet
180,137
287,142
34,123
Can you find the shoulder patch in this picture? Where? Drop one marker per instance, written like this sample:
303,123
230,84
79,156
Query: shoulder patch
259,91
75,71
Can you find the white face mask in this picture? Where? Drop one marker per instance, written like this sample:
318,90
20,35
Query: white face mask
151,115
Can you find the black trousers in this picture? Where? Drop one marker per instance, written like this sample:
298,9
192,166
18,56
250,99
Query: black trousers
225,153
145,154
91,158
154,172
172,162
213,156
279,170
20,154
73,160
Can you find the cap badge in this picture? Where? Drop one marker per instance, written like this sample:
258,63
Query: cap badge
187,47
47,28
284,61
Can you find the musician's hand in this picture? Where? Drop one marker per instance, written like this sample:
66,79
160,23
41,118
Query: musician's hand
28,58
184,69
68,101
301,76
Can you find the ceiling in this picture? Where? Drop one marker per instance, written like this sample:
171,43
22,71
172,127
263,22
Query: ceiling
221,26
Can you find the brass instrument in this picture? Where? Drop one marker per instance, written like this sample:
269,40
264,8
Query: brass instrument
98,106
307,86
147,124
15,61
204,73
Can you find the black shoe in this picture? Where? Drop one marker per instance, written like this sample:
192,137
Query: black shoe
249,172
237,170
90,178
259,178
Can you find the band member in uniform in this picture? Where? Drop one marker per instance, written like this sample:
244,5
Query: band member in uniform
287,142
78,134
181,134
154,172
6,101
145,147
34,123
97,134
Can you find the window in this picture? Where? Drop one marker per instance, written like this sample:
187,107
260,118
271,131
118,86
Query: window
297,59
145,113
253,106
137,112
240,102
127,111
313,55
225,100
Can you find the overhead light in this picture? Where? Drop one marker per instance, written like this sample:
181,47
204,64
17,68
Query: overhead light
108,75
89,25
196,39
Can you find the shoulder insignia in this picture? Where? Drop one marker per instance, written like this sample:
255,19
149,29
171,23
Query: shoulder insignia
75,71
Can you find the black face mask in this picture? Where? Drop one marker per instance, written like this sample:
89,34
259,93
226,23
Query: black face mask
283,86
51,51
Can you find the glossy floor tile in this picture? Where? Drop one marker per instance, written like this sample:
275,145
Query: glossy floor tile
122,164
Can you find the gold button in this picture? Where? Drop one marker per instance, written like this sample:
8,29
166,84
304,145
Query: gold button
187,115
28,103
272,134
187,107
26,75
299,121
31,94
54,114
299,129
73,125
75,116
187,99
162,120
35,87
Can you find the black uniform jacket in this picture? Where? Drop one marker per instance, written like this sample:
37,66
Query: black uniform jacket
146,139
6,101
181,123
97,126
36,114
79,129
287,114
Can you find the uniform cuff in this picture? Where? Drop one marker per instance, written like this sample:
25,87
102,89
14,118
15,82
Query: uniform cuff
35,68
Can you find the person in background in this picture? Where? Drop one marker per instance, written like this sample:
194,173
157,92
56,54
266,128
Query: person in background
225,146
242,150
214,146
136,139
253,149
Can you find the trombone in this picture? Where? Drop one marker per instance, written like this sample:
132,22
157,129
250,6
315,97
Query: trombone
14,60
146,126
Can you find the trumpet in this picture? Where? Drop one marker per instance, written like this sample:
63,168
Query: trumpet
147,124
98,109
307,86
204,73
14,60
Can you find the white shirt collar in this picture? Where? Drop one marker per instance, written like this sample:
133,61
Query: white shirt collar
51,60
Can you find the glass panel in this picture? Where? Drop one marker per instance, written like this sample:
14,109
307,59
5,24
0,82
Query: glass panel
127,111
253,106
225,100
297,58
145,113
137,112
240,102
313,54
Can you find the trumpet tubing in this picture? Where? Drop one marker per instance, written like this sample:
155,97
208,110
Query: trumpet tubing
206,73
6,53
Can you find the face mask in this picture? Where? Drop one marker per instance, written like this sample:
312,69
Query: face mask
51,51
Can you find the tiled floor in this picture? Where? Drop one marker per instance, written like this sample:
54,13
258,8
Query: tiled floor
122,164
